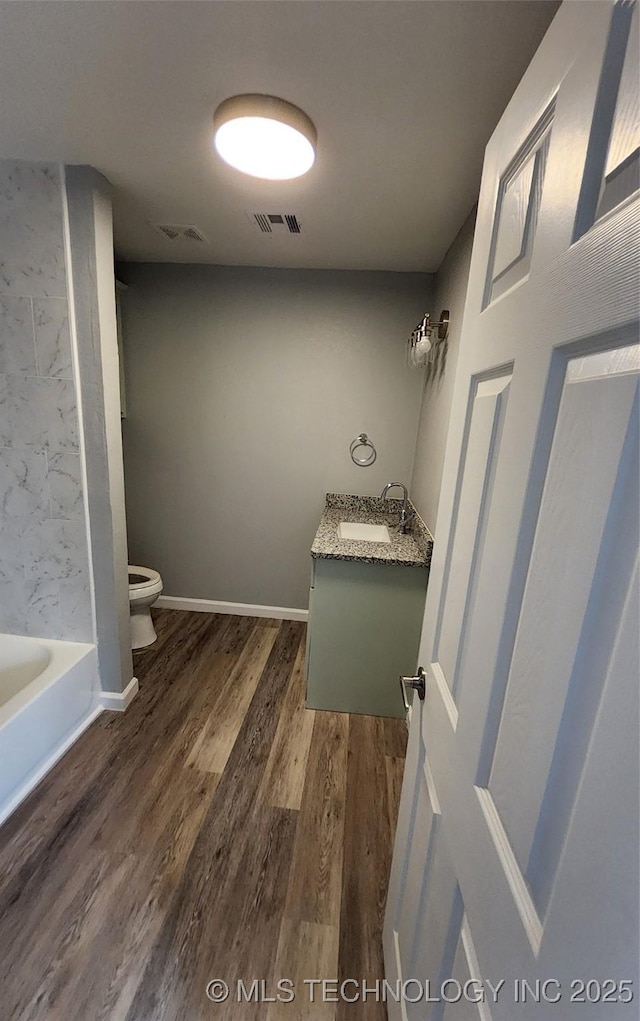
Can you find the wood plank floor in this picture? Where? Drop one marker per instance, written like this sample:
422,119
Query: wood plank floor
216,830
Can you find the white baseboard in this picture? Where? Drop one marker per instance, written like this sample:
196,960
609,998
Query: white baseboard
43,768
118,701
240,609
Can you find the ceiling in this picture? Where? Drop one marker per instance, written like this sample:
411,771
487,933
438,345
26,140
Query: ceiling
404,96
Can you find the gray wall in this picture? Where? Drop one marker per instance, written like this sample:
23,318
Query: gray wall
44,567
244,390
451,290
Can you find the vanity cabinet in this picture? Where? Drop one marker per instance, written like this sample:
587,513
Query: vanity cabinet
365,621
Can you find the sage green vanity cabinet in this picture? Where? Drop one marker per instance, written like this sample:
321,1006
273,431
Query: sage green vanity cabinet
364,631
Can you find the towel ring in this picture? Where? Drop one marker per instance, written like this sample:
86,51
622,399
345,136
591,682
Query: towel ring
363,441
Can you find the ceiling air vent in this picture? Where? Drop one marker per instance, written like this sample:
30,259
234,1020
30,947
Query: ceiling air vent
179,232
275,223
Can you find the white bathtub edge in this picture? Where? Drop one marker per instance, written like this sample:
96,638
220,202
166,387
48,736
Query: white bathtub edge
34,778
118,701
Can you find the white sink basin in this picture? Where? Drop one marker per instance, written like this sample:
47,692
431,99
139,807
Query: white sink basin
363,533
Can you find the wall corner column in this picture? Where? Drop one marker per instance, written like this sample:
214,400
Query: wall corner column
94,335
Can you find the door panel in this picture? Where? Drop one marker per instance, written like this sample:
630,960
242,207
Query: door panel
597,877
421,849
517,208
438,933
596,427
482,443
611,173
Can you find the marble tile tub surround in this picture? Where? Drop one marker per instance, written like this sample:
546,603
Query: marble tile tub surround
44,569
412,550
32,259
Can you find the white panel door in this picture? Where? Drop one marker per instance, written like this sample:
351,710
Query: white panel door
516,856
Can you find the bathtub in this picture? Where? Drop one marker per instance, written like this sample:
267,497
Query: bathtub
48,696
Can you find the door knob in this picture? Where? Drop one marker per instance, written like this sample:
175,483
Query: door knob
417,683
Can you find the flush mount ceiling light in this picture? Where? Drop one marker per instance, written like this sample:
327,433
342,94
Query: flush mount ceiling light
265,137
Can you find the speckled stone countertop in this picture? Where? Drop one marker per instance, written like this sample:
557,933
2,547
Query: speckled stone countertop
412,550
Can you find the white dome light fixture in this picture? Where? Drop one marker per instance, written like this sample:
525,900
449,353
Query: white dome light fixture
265,137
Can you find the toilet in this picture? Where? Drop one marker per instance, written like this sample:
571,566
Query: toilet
145,586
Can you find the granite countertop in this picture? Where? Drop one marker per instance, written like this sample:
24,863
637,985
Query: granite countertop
412,550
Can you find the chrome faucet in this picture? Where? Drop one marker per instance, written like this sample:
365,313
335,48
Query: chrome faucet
406,515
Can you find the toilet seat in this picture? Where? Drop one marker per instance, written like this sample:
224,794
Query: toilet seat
150,579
